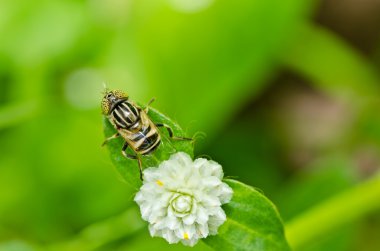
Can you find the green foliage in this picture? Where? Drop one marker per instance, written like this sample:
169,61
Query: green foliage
98,235
16,113
204,66
332,64
341,209
207,62
307,189
253,223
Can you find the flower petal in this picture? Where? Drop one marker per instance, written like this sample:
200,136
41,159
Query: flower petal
202,215
189,219
181,199
202,230
225,194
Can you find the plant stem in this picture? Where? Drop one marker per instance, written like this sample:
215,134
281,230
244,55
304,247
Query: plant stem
334,212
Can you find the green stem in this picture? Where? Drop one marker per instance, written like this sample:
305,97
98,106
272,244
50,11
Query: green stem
334,212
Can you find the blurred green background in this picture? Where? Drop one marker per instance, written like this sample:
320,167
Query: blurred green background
284,93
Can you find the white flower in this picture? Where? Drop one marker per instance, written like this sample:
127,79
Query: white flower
181,199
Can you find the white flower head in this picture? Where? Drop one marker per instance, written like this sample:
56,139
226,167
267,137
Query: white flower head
182,198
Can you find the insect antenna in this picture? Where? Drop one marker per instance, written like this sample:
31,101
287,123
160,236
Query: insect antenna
105,88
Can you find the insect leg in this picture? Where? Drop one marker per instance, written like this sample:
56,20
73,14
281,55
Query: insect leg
170,131
146,110
130,156
110,138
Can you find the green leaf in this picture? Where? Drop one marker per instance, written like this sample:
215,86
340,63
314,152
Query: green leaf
128,168
253,223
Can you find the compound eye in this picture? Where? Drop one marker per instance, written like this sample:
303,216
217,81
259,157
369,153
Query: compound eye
105,106
120,94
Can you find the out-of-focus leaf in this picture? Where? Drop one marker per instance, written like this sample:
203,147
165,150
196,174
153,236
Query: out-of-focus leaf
321,180
253,223
16,246
368,233
208,61
318,182
332,64
17,113
335,212
256,160
100,233
49,28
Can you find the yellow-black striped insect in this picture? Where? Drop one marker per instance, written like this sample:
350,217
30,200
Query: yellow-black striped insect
133,125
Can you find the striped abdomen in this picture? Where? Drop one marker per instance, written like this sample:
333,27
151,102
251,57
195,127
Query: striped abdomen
135,127
146,140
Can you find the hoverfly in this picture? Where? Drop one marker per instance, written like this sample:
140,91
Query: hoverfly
133,124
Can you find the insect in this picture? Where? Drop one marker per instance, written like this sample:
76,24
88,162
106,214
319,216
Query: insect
133,124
